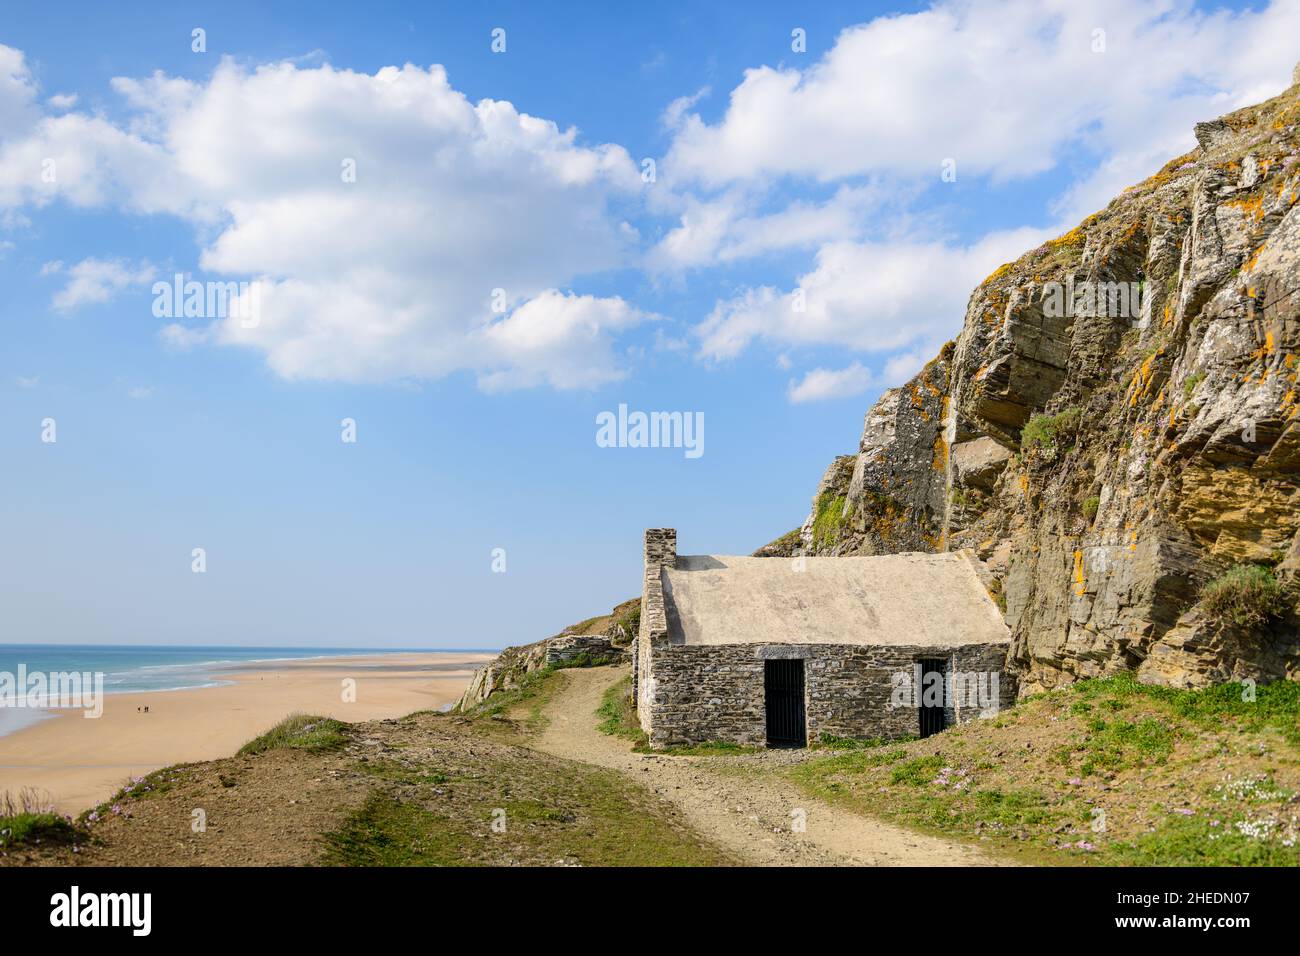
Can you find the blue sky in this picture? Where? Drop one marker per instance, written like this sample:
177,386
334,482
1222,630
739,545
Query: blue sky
777,171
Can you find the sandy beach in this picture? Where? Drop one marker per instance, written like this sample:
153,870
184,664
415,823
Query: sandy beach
81,762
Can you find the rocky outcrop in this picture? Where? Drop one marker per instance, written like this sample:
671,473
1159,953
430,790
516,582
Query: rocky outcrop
1117,423
576,646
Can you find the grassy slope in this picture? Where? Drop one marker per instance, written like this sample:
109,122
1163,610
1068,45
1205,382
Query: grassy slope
423,790
1107,771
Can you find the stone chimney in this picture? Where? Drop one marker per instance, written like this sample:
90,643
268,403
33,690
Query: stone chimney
660,548
1295,75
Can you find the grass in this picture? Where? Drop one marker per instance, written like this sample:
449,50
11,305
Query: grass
299,732
388,832
509,807
1043,433
29,820
617,713
519,710
30,829
1246,595
829,519
1090,506
1108,771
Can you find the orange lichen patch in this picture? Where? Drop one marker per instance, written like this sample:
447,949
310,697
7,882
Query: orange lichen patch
940,461
1142,378
1254,258
1262,353
1080,586
1252,206
1290,406
1024,484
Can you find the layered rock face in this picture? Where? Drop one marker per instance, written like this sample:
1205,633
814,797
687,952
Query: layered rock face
1117,424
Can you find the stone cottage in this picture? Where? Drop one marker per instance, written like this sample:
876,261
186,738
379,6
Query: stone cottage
781,651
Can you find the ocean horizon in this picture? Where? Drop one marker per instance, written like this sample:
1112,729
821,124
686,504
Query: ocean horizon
142,668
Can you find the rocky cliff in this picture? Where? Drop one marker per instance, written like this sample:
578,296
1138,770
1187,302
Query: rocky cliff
1116,426
595,641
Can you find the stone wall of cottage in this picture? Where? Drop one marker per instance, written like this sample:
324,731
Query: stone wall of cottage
704,693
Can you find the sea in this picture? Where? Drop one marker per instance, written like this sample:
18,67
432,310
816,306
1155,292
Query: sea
132,668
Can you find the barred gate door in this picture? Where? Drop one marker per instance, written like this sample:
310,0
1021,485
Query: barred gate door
783,685
933,718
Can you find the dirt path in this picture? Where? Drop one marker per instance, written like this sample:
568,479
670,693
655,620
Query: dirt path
730,800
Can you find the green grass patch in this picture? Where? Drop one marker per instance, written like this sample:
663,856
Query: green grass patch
1246,595
389,832
299,732
617,713
918,771
1206,841
1274,706
524,705
1046,433
32,829
829,519
401,773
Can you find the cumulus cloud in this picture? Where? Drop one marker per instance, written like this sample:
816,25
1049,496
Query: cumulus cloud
1006,90
722,229
560,340
381,214
92,281
871,297
821,384
1002,88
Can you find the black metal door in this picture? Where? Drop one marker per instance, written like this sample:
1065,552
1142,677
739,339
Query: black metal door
932,693
783,684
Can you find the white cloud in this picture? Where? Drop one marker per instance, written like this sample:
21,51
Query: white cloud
63,101
92,281
140,392
1003,88
721,230
558,340
31,382
821,384
385,278
872,297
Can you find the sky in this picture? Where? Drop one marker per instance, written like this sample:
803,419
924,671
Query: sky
460,234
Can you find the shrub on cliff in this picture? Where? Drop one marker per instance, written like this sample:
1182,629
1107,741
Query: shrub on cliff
1247,595
1043,433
